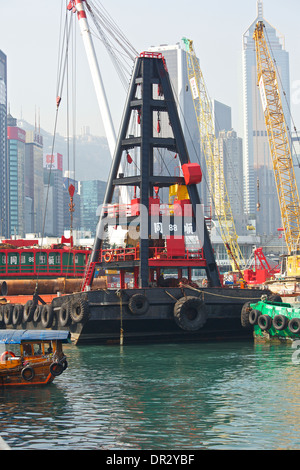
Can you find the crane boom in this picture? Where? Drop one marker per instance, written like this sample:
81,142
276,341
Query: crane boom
78,6
213,159
278,141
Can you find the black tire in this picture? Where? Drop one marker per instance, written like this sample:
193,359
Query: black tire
2,312
27,373
190,313
47,316
56,369
294,326
246,309
253,316
264,322
274,298
17,314
138,304
29,310
64,318
7,315
280,322
79,310
37,313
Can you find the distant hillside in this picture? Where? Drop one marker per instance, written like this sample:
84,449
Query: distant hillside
92,156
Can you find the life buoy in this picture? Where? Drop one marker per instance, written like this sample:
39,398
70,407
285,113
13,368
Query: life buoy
64,314
17,314
107,256
294,326
264,322
253,316
79,310
190,313
138,304
47,316
4,356
56,368
280,322
27,373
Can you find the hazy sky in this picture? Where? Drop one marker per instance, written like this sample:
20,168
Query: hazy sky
29,36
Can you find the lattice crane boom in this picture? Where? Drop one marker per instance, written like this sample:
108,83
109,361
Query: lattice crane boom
214,163
278,141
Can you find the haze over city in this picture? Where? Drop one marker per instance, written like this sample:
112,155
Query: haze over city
30,31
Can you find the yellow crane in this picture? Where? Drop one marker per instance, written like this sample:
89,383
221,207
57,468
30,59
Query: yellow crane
214,163
280,149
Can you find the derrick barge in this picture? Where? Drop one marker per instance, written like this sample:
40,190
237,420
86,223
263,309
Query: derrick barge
166,240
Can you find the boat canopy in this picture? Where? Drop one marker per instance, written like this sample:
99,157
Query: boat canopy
18,336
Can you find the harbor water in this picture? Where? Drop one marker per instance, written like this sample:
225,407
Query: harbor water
235,395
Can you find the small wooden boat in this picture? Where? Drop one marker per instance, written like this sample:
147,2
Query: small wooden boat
31,357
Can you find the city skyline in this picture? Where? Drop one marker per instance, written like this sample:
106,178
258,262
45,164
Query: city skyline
35,60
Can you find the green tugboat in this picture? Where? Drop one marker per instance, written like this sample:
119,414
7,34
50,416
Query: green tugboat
272,321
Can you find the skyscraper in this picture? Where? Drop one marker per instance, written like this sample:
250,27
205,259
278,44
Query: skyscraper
34,181
53,190
16,138
259,181
4,202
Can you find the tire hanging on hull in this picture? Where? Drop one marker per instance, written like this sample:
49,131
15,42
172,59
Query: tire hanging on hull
190,313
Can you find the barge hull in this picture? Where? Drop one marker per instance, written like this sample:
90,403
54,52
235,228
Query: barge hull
108,314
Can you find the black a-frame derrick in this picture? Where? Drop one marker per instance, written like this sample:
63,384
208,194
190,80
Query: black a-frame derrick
149,71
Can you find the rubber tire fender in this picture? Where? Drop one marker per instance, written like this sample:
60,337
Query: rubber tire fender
246,309
292,322
27,373
264,322
56,368
79,310
280,322
17,314
64,318
138,304
29,311
190,313
253,316
47,316
7,314
37,313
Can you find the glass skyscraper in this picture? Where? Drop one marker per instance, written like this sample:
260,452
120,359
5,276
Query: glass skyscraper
4,201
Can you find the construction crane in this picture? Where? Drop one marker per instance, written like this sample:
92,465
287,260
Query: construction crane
280,149
213,159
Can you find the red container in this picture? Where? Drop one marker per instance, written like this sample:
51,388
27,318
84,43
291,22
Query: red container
192,173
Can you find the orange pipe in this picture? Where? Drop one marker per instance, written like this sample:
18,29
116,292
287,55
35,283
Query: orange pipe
47,286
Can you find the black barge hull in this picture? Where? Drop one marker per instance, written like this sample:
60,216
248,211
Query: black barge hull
103,316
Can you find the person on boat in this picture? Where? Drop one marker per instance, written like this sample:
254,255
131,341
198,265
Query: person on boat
27,350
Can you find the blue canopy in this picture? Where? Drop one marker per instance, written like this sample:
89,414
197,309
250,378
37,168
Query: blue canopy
18,336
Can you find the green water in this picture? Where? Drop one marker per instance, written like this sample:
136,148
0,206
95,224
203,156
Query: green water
179,397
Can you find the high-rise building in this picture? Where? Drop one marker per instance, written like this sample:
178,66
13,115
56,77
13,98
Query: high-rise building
34,182
175,57
230,148
53,190
4,199
16,138
91,197
259,184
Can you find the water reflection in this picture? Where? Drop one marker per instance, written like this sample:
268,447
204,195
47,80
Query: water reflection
215,396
